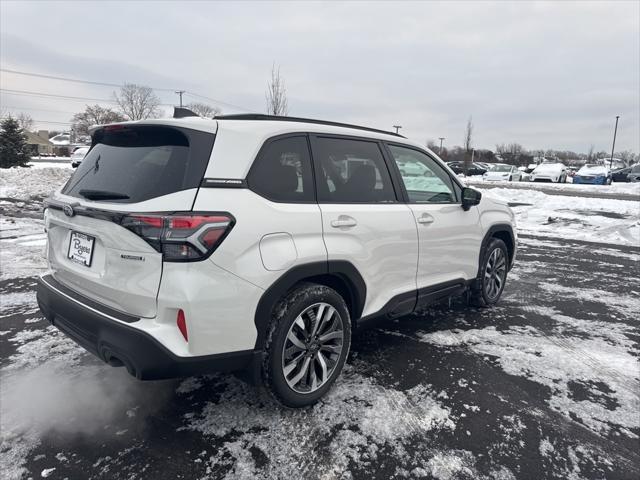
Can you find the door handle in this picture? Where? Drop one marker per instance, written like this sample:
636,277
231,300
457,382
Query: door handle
425,218
344,221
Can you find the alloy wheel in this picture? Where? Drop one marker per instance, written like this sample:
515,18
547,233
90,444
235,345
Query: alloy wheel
495,273
312,348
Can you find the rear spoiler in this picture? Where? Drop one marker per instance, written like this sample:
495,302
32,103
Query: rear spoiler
180,112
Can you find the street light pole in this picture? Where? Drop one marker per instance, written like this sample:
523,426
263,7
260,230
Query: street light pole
180,92
397,127
615,132
441,139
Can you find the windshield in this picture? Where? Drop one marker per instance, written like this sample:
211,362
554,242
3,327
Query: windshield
593,170
134,164
500,168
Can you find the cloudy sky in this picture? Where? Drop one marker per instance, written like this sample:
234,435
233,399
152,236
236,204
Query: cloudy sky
546,75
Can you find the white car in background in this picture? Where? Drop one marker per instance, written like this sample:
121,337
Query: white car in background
503,172
550,172
77,156
412,168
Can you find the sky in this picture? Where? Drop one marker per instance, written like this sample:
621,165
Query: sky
542,74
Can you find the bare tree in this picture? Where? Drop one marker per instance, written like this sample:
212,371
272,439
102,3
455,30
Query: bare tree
591,155
468,145
137,102
276,95
204,110
25,121
94,115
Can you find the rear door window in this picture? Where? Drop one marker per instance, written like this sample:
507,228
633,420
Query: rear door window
282,171
351,171
130,164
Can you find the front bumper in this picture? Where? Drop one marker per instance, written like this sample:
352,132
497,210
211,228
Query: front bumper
110,337
589,180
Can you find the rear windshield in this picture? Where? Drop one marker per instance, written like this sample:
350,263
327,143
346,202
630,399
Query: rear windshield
134,164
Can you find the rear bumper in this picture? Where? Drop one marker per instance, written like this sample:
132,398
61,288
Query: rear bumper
118,343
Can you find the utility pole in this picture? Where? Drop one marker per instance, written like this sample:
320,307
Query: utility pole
397,127
615,132
441,139
180,92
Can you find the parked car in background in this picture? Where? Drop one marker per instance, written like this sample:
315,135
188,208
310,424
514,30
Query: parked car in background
409,168
502,171
525,176
474,168
530,168
550,172
571,171
634,174
259,245
593,174
77,156
621,174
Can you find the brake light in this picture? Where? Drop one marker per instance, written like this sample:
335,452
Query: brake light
181,237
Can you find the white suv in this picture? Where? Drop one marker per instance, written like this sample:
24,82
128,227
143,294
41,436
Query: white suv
258,244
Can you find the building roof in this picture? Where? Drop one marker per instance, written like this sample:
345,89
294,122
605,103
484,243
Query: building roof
35,139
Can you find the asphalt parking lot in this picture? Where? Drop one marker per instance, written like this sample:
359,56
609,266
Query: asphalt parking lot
545,385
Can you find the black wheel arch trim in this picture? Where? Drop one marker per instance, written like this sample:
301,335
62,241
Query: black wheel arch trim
342,269
499,227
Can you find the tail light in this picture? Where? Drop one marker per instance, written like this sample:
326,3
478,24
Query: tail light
181,237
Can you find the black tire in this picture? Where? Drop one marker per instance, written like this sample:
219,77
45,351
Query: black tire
510,178
482,295
298,301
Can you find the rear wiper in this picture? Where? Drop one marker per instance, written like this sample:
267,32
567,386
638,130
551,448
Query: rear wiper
102,195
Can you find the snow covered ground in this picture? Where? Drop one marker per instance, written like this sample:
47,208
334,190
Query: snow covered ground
572,217
544,385
615,187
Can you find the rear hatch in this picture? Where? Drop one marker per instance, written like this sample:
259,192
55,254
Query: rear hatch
104,227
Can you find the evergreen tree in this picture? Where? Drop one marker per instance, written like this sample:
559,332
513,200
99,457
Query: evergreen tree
14,151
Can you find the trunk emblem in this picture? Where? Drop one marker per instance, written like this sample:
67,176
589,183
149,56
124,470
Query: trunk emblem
68,211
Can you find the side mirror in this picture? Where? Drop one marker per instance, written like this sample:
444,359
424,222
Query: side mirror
470,197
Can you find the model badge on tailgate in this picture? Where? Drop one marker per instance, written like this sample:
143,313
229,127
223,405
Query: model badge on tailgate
132,257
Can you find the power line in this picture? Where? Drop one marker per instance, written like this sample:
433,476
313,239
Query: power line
48,121
106,84
10,107
42,94
77,80
7,91
196,95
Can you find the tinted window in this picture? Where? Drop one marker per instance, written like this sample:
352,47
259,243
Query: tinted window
282,171
351,171
425,180
133,164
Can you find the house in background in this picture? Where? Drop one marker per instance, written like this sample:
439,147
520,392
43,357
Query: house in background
39,143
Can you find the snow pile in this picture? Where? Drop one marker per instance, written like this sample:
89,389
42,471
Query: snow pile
25,183
577,218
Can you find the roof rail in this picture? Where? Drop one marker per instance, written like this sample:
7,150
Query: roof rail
259,116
